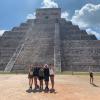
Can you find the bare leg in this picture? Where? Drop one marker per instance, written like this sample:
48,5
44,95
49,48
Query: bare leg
31,82
52,81
46,84
42,84
92,80
35,81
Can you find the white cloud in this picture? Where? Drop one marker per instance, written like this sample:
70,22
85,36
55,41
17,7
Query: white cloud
1,32
44,4
91,31
65,15
87,16
31,16
53,4
49,4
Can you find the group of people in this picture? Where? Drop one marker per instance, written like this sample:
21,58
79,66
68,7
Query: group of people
41,73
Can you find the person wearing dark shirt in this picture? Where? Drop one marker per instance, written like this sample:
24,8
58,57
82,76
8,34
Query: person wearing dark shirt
35,76
46,76
37,70
41,76
91,77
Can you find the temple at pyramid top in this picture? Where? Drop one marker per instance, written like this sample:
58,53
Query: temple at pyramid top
48,13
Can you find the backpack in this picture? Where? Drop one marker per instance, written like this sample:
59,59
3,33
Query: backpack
41,72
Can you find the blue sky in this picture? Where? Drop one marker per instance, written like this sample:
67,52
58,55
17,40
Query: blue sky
80,12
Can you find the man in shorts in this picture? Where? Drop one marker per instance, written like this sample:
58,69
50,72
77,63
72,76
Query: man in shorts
46,77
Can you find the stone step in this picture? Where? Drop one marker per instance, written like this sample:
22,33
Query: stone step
81,43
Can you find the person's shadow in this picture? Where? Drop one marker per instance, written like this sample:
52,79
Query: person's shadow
37,90
94,85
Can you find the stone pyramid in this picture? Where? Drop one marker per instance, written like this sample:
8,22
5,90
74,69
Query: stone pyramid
49,39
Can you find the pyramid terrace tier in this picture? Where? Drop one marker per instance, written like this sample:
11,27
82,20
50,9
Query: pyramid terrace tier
49,39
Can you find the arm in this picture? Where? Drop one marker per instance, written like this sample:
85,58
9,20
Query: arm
29,72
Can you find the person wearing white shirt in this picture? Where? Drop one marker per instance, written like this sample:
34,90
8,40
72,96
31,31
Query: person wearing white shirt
52,74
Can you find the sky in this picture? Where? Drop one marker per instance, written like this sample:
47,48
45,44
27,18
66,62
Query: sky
84,13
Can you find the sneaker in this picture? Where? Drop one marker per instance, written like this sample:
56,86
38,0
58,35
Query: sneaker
46,89
41,89
52,90
30,88
37,87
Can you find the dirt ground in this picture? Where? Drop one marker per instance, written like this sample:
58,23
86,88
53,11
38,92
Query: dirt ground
67,87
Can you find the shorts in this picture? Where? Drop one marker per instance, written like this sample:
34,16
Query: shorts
40,78
46,78
91,76
35,74
51,75
30,76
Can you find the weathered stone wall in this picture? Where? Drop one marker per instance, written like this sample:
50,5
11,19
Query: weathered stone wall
80,54
38,47
49,39
79,51
51,13
9,43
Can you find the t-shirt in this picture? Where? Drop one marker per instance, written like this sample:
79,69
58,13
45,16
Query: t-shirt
41,72
46,72
51,71
35,72
31,71
91,74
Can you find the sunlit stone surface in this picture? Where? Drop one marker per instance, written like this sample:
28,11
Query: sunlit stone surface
49,39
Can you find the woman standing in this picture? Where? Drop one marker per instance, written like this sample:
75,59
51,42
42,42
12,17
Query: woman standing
30,76
52,74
